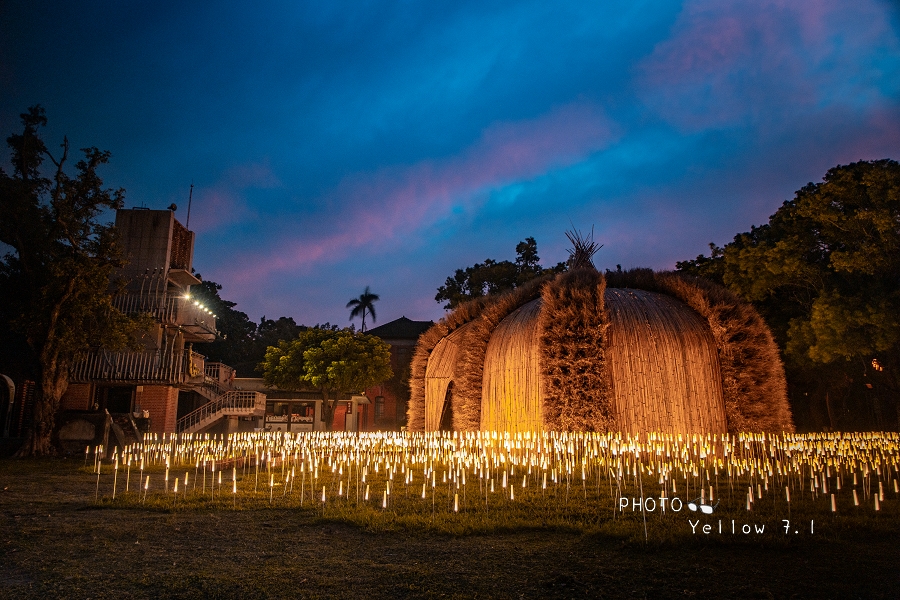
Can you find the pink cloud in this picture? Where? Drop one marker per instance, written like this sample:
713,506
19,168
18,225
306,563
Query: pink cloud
223,203
371,209
726,61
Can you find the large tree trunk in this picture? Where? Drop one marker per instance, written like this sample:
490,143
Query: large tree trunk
54,382
327,411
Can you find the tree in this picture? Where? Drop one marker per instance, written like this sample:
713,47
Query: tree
60,266
825,272
493,277
330,360
361,305
235,345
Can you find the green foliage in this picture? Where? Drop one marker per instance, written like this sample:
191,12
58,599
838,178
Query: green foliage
824,272
348,362
330,360
235,344
242,343
493,277
56,280
710,267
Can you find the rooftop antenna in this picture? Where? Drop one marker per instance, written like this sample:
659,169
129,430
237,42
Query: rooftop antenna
187,224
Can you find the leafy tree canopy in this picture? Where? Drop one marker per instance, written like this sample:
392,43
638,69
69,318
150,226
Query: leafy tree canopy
330,360
242,343
826,266
492,277
825,272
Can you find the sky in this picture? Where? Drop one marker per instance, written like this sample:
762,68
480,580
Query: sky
337,145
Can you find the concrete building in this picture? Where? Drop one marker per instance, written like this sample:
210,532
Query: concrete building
142,388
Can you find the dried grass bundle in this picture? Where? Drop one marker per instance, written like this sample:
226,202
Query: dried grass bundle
573,322
415,412
467,393
754,387
583,250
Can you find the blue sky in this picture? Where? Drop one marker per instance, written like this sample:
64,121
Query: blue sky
338,145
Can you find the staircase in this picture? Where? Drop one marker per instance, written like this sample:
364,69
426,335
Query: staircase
223,402
231,403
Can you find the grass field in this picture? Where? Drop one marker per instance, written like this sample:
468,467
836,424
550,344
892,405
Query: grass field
65,536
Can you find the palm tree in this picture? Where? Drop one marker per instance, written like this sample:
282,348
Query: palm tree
362,305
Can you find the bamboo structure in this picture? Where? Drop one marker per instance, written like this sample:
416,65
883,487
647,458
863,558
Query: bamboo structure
753,382
573,322
512,399
662,361
655,352
439,378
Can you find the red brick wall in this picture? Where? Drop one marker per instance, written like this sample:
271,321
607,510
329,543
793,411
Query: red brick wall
78,396
162,403
340,414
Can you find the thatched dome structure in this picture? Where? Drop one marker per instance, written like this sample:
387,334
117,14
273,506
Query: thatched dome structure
632,351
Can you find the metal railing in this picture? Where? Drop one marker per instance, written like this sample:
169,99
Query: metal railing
160,306
232,402
219,371
172,366
165,308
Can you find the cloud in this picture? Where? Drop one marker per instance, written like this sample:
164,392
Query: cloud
377,207
225,201
729,63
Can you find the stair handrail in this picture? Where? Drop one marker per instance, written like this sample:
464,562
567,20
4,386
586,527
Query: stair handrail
236,399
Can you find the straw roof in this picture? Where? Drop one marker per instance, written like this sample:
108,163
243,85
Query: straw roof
663,366
657,352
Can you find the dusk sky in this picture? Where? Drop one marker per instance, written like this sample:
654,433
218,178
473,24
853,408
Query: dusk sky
338,145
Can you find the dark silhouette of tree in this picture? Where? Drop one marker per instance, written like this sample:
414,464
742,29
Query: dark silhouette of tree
493,277
60,266
362,305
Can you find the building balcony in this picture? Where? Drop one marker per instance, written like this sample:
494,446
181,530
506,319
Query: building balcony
197,322
173,367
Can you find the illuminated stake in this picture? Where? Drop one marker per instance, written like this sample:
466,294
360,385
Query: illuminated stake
115,477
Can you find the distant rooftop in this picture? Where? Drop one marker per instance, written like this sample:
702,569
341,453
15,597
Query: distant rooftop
401,329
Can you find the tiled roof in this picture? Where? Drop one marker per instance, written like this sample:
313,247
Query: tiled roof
401,329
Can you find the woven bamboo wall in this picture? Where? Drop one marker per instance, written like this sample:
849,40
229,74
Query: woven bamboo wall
441,370
511,396
663,365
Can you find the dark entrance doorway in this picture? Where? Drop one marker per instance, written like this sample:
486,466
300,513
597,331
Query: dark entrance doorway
117,399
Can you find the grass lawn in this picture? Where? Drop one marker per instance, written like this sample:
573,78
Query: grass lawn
59,542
